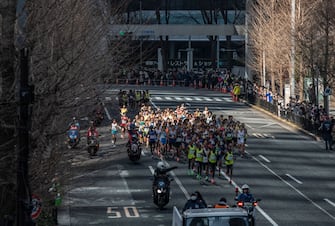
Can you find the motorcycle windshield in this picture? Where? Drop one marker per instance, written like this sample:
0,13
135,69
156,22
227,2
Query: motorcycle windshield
73,134
161,184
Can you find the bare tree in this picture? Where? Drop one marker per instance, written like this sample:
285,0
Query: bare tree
70,53
270,34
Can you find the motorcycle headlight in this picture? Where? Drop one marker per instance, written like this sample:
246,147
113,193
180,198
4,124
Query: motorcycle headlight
159,191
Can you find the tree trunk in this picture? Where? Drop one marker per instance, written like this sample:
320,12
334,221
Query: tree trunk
7,109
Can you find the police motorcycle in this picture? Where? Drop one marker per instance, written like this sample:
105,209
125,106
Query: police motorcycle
161,185
247,204
92,145
73,134
134,148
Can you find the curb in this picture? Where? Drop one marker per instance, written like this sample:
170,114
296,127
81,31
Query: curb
315,137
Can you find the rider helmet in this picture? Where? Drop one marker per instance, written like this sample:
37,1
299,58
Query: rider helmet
160,165
245,186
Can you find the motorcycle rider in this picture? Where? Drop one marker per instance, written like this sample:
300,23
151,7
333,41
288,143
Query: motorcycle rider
132,134
74,124
245,196
92,132
161,173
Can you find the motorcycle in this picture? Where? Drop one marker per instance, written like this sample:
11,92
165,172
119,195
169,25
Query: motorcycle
161,192
134,150
93,145
249,207
73,138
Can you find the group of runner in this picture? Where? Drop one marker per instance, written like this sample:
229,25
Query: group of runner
208,142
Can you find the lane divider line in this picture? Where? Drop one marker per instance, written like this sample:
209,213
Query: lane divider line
107,113
293,178
265,159
295,189
330,202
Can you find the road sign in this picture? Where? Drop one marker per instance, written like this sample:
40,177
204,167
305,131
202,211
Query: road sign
37,206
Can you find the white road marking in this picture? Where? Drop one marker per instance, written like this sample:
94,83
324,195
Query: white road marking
179,98
107,113
293,178
295,189
265,159
153,104
218,99
188,98
122,174
330,202
168,98
208,99
258,135
228,99
267,125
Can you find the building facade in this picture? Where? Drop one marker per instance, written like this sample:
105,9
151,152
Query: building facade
189,34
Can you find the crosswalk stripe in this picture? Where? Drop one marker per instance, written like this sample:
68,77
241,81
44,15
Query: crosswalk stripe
228,99
180,98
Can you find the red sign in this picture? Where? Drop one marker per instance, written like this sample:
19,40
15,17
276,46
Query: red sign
37,206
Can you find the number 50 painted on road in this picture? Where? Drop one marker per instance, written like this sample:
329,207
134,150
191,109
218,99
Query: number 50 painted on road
129,211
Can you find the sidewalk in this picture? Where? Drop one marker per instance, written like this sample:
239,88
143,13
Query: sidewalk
315,137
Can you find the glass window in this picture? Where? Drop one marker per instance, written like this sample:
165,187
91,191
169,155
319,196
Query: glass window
217,221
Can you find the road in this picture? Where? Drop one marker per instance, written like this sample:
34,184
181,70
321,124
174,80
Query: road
289,171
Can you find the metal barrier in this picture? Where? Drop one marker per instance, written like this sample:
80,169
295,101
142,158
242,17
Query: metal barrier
302,121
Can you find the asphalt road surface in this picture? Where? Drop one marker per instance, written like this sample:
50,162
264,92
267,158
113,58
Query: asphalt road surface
290,172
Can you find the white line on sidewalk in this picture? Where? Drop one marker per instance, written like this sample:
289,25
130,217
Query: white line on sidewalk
265,159
330,202
293,178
